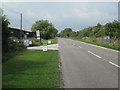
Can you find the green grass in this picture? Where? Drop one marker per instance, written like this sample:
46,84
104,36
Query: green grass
45,42
32,69
100,44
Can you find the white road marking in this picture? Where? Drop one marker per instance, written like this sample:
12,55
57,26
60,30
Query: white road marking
114,64
83,42
80,47
94,54
73,44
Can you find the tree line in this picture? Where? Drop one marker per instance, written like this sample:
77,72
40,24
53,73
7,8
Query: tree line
111,29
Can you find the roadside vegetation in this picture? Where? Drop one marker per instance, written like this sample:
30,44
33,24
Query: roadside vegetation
9,47
47,32
45,42
47,29
32,69
22,68
95,35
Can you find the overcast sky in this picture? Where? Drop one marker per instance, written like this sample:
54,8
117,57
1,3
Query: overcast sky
77,15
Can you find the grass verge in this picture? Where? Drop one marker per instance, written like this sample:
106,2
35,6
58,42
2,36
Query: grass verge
99,44
32,69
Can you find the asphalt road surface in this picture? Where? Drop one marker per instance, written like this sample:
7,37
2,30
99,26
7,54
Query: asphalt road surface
88,66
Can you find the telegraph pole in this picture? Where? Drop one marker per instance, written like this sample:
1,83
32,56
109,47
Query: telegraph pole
21,26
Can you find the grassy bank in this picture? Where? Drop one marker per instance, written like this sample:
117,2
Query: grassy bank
11,54
13,50
99,43
45,42
32,69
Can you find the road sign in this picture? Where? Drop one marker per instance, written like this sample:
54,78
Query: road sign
38,33
25,36
49,41
30,42
38,37
45,48
106,39
26,42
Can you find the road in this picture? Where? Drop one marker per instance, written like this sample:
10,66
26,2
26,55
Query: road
88,66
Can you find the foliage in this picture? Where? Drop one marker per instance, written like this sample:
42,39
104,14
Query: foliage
5,33
66,32
111,29
14,49
9,48
45,42
47,30
96,33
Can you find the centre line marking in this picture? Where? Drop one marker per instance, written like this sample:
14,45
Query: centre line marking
94,54
80,47
114,64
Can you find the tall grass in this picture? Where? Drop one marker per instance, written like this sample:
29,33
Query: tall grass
114,43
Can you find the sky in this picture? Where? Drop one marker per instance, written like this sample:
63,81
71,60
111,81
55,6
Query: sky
74,15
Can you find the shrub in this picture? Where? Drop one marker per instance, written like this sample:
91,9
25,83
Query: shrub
5,34
13,49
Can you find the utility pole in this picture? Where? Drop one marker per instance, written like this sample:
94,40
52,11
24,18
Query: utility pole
40,37
21,26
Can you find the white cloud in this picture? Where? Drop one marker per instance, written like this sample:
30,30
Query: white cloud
74,15
30,13
48,16
60,0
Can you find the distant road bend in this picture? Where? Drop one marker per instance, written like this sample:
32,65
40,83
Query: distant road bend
88,66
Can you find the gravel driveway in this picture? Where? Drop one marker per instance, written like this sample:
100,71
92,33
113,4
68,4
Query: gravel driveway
50,47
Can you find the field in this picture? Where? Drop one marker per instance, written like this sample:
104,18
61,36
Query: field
32,69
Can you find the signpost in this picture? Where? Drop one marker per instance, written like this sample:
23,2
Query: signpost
25,36
38,35
38,38
30,42
26,42
45,48
106,39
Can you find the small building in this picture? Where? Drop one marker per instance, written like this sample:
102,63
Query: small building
15,32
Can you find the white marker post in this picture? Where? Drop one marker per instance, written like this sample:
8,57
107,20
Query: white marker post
106,39
49,41
26,42
30,42
45,48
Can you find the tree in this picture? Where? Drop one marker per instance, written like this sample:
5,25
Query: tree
47,30
73,34
111,29
5,33
66,32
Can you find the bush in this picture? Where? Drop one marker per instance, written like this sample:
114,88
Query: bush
13,49
5,34
15,46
